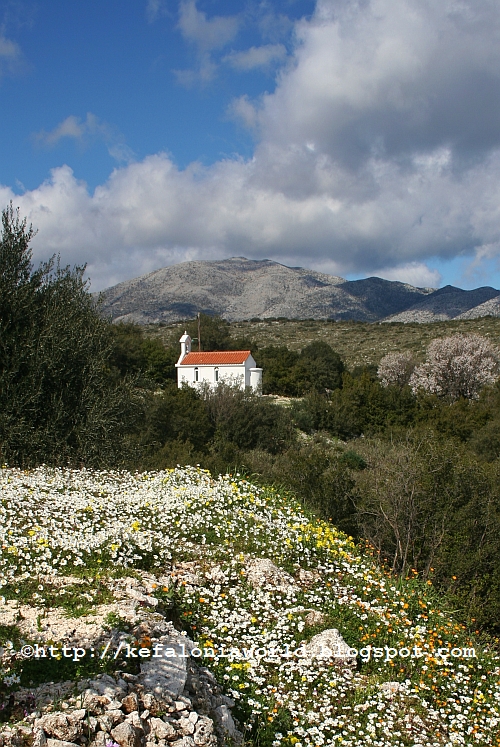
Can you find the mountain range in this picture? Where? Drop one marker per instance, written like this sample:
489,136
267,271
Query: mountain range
241,289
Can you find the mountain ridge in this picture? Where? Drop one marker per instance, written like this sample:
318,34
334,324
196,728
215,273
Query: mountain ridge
239,289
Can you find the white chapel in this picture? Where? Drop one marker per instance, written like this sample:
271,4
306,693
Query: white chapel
233,366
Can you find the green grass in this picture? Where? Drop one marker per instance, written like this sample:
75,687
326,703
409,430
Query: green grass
73,599
34,672
358,343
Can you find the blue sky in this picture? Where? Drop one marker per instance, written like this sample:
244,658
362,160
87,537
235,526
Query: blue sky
355,137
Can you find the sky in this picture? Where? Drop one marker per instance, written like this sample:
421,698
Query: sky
352,137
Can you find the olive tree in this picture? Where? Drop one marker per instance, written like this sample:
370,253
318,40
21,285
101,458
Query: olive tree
59,402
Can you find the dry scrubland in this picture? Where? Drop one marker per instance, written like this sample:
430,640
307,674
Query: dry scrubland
235,566
357,343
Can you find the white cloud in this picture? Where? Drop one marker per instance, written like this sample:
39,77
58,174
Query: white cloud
71,127
203,73
9,50
378,150
207,34
256,57
243,110
90,128
155,8
414,273
11,57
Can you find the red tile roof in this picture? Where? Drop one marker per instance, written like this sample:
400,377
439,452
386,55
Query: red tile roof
215,358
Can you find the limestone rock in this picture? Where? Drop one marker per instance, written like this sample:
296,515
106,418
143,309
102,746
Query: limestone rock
161,729
314,618
60,726
39,738
204,733
166,676
186,726
106,722
240,288
134,719
329,645
93,702
130,703
107,686
144,598
226,721
100,739
262,573
116,715
184,742
126,735
113,705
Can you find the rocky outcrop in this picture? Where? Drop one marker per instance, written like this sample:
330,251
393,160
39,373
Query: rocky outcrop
329,645
263,573
171,702
174,703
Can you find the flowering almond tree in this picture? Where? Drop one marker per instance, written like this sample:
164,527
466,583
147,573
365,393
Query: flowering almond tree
395,369
457,366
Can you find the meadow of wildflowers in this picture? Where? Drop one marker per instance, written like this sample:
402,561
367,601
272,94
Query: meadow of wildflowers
61,523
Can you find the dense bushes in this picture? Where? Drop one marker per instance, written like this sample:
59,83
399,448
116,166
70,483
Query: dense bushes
361,406
429,506
316,368
133,354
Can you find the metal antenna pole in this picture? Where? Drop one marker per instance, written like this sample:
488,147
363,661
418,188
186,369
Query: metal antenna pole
199,333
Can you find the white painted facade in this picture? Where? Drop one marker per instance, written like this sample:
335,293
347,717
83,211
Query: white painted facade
234,367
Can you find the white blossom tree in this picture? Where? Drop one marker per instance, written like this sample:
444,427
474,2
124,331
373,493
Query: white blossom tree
457,366
395,369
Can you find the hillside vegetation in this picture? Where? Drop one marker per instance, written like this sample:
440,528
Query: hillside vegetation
312,641
357,343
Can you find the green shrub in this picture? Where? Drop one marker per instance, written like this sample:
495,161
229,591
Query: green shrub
317,368
486,441
427,504
246,420
133,354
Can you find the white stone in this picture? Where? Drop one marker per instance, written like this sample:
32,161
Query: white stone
262,573
39,738
329,645
166,676
59,726
160,729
